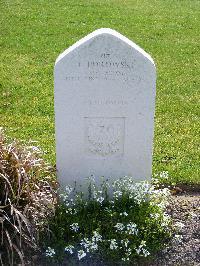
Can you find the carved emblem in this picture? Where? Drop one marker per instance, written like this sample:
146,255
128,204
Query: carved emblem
105,136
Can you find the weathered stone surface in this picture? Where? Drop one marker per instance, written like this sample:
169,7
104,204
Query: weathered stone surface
104,107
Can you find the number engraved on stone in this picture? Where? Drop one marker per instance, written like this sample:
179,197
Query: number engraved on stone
104,135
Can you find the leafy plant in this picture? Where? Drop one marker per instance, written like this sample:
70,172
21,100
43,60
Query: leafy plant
27,198
128,225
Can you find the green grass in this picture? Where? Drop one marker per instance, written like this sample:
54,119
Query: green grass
33,33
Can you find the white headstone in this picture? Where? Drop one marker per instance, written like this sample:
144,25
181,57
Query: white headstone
104,108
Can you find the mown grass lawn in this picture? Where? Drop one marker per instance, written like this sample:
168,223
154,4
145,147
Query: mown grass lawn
33,33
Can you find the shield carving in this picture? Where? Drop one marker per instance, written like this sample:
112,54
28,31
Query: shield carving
105,136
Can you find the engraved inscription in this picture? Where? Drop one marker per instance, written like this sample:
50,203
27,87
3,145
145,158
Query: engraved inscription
119,64
105,68
107,102
103,75
104,136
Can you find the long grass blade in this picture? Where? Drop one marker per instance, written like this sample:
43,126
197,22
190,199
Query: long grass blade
11,246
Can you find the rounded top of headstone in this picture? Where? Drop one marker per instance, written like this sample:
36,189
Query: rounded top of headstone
104,31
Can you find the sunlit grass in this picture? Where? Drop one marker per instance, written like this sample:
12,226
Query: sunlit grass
33,33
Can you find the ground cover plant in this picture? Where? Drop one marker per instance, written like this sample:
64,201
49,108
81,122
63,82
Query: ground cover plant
27,199
33,33
121,223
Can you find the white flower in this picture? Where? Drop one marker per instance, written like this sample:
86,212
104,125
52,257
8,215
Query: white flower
125,242
96,237
123,213
127,255
113,244
125,258
117,194
89,245
71,202
143,243
145,252
74,227
64,197
155,215
128,252
68,190
100,199
138,250
119,227
94,246
85,243
132,229
69,249
50,252
140,192
69,210
164,175
81,254
141,249
165,220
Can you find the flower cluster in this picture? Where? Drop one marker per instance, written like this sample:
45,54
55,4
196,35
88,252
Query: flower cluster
74,227
141,249
122,221
50,252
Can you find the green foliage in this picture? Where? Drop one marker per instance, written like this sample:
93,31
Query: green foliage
33,33
130,225
26,199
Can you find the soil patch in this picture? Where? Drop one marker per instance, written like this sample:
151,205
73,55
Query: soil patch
185,246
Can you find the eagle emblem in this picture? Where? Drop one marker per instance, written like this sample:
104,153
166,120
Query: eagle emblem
105,136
